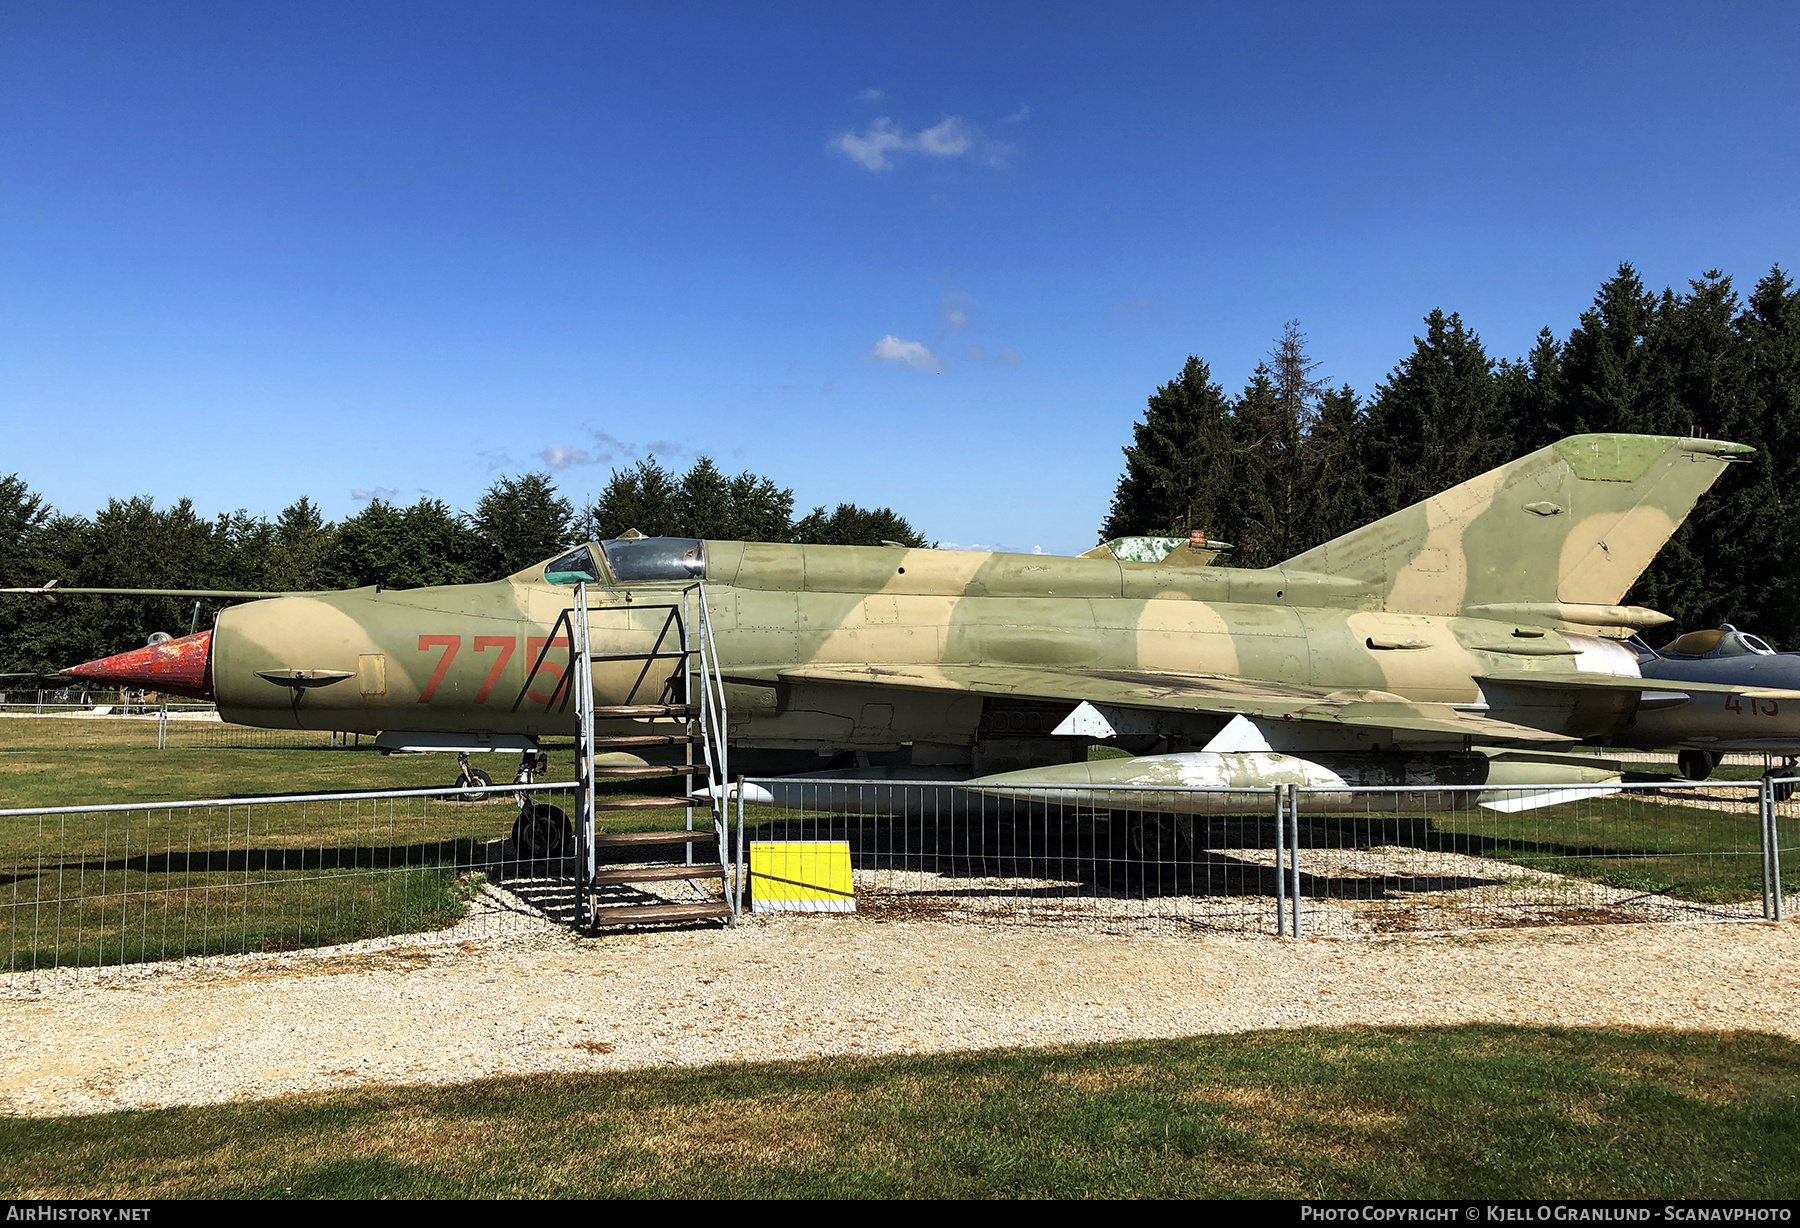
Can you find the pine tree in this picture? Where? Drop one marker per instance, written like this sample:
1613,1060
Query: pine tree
1770,329
1693,377
643,498
703,503
302,539
1529,395
24,519
1264,456
741,508
849,525
1604,363
1177,470
1272,425
412,547
1436,420
1334,483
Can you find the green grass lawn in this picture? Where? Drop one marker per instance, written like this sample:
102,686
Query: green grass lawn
1453,1112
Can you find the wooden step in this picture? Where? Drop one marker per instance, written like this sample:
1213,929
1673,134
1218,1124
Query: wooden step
647,739
615,839
620,771
658,874
674,712
637,914
652,803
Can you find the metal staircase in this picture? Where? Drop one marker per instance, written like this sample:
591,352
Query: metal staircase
636,878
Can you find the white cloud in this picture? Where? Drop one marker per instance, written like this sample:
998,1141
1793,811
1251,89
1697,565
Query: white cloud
905,354
948,138
870,150
955,308
558,457
375,494
871,95
875,146
1019,116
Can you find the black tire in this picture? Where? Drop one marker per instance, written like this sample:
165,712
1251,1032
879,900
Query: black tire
479,779
543,835
1144,850
1785,790
1696,764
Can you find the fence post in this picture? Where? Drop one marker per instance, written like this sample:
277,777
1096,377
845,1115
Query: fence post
1774,846
737,859
162,727
1294,853
1281,803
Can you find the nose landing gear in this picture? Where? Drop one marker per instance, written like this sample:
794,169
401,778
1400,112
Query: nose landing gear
469,778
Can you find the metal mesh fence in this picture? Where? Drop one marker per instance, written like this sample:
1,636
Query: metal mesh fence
1672,851
959,854
1345,861
99,885
132,726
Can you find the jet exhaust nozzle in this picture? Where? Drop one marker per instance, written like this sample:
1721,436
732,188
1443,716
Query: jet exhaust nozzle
174,667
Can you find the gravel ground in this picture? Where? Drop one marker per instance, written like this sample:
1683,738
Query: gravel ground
793,987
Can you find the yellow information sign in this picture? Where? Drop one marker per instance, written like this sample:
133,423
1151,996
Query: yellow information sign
801,876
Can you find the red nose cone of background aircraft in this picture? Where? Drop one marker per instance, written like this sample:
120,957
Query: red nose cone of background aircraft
174,667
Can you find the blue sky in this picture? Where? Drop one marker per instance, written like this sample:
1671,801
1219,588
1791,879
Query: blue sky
931,257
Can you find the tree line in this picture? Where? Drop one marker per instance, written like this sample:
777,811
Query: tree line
132,543
1291,462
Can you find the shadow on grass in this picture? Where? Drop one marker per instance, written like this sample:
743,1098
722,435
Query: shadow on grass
1470,1112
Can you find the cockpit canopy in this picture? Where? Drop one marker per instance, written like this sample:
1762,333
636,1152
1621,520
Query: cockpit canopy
1726,641
630,560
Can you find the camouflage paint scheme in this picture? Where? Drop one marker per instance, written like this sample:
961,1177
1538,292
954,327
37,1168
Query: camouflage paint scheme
1484,615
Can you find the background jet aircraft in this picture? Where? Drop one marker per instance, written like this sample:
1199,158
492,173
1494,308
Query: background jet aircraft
1484,616
1705,727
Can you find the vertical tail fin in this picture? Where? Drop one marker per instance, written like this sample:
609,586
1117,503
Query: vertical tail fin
1576,522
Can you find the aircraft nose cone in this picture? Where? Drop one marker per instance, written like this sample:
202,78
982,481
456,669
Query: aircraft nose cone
174,667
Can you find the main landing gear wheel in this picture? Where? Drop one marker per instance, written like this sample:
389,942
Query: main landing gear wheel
543,835
1144,848
1696,764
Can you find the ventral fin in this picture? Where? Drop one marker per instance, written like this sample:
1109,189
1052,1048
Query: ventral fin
1240,734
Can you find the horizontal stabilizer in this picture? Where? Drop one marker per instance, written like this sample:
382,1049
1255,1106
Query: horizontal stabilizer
1513,801
1617,682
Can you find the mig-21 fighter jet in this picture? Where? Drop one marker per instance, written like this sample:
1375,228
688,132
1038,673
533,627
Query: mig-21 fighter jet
1469,639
